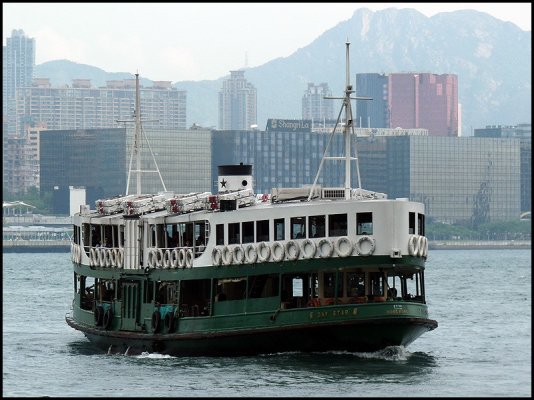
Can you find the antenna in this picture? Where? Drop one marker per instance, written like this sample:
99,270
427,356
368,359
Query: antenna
137,143
346,133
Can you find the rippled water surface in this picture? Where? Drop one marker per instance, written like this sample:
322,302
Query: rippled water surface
482,347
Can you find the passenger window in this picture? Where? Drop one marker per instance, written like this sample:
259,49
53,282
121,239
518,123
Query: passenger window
219,234
411,224
298,227
279,229
233,233
262,231
421,224
364,223
317,225
248,232
337,225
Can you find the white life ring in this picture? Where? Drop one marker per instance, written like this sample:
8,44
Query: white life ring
264,252
113,257
71,251
167,259
108,257
278,252
364,249
343,246
413,245
152,259
102,257
421,245
308,248
216,256
251,255
120,258
424,249
74,251
174,258
325,248
189,258
159,259
238,254
181,258
226,255
292,250
92,257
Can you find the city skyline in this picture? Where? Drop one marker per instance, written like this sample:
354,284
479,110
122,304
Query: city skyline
184,45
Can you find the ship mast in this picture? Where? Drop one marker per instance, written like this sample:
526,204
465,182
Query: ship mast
348,129
137,144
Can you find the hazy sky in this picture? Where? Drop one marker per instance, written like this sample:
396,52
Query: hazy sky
196,41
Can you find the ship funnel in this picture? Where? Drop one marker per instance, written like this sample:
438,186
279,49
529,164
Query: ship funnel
234,177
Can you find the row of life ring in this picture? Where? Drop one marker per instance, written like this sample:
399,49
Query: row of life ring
103,257
418,246
291,250
175,258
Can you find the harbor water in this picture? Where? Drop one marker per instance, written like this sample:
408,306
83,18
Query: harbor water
481,348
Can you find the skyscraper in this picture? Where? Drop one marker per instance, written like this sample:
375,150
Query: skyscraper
237,103
18,61
314,105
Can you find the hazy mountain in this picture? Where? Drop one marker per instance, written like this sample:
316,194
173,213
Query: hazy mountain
492,59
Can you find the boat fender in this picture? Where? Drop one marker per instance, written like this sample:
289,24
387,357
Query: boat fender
152,258
421,245
413,247
156,321
365,246
251,255
264,252
216,256
277,250
169,322
108,319
343,246
189,258
292,250
174,258
226,253
181,258
325,248
308,248
167,259
238,254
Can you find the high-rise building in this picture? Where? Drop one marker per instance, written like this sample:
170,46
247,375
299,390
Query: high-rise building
237,103
84,107
372,113
409,100
424,100
18,61
315,106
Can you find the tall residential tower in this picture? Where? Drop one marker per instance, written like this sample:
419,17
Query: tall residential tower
237,103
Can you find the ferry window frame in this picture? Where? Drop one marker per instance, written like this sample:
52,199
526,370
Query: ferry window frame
421,224
262,230
297,227
219,234
376,283
364,223
317,226
234,233
341,221
411,223
247,232
279,229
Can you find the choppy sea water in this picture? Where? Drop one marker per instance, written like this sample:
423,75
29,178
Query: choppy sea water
481,348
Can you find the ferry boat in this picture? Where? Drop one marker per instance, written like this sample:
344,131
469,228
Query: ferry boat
307,269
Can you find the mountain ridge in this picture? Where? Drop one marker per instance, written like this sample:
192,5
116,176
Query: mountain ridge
492,59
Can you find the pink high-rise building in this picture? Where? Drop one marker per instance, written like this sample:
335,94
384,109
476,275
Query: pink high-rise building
424,100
